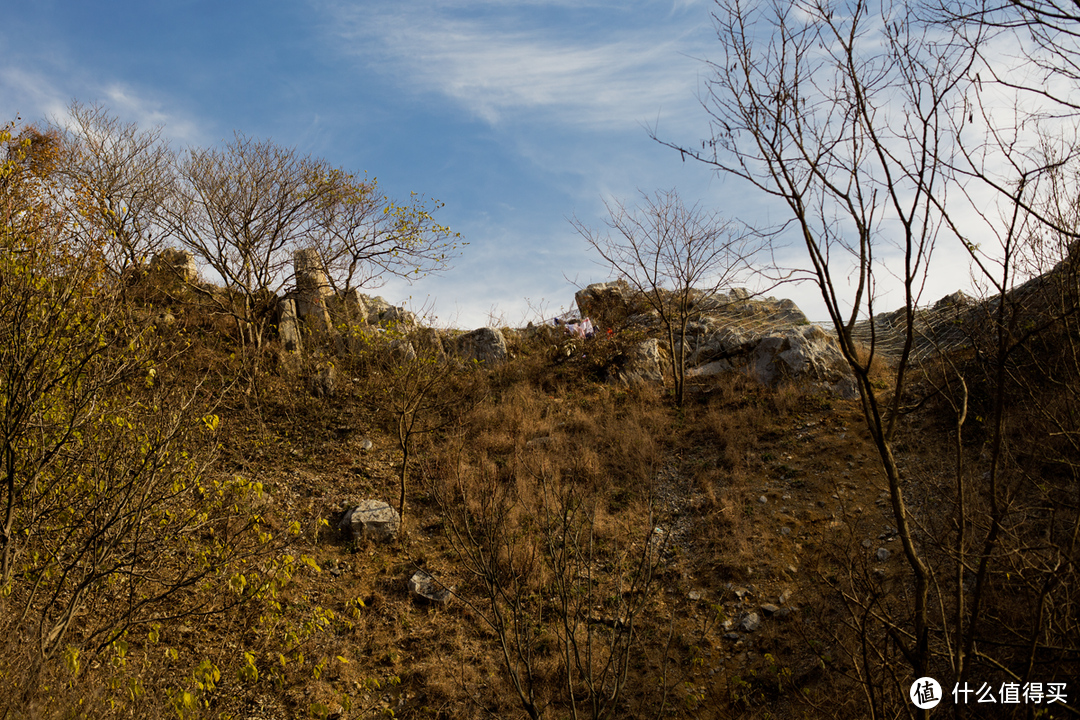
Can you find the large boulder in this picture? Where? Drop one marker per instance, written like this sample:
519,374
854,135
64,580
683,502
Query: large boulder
643,364
424,585
486,345
801,353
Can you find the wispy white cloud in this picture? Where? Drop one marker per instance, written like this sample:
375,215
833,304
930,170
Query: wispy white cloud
29,94
502,66
37,95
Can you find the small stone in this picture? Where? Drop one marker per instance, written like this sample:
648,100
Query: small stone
366,445
731,636
763,499
424,585
694,595
373,519
769,609
751,622
867,543
882,554
785,596
785,531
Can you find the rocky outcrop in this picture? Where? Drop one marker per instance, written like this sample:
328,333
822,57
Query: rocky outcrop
312,293
768,339
643,364
173,267
802,353
606,303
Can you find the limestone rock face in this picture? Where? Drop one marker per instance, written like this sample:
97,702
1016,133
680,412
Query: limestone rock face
644,363
371,519
349,307
805,353
486,345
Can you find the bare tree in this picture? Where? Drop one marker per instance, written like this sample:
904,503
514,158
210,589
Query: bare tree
840,111
421,390
364,236
674,256
101,464
242,210
872,130
120,175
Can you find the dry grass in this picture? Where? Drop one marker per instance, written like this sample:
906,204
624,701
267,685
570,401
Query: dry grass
549,438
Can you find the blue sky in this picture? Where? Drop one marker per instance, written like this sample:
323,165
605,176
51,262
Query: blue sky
516,114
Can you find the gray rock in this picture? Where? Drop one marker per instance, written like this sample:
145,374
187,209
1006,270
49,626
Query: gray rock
403,349
643,364
486,345
397,316
769,609
733,636
366,445
605,302
289,325
956,299
882,554
801,353
171,267
350,307
312,291
751,622
372,519
424,585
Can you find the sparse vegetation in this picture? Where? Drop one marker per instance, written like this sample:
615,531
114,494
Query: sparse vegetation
173,476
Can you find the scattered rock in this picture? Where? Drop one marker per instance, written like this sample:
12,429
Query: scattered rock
732,636
769,609
424,585
366,445
882,554
372,519
751,622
